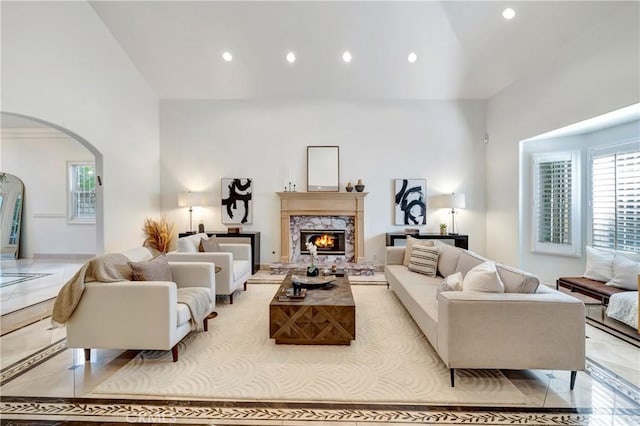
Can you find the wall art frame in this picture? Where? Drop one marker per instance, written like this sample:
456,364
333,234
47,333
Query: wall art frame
236,202
410,201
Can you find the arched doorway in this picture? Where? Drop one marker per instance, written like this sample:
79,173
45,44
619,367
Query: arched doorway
15,120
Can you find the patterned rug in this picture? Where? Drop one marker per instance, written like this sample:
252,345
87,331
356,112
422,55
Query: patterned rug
390,361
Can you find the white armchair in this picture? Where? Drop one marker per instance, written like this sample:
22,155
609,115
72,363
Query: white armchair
233,259
140,314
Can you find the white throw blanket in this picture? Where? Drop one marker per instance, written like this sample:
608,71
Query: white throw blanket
198,299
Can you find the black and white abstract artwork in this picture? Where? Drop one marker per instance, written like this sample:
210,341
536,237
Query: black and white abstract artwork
410,201
237,201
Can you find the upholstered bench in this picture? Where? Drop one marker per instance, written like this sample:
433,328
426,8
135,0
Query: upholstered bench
592,288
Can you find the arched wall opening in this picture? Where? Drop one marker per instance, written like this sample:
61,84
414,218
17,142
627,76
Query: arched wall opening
99,167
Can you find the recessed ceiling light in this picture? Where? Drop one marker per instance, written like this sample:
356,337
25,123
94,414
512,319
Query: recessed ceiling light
291,57
412,57
346,56
227,56
508,13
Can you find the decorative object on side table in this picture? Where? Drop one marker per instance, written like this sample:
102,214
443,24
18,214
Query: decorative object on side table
359,186
312,270
349,187
443,229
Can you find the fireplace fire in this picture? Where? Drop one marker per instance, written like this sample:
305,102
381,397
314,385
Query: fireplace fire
328,242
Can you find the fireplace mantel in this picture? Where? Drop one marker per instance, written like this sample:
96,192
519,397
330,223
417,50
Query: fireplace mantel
321,204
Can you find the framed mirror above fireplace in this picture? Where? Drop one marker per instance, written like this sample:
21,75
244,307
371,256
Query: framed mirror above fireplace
323,168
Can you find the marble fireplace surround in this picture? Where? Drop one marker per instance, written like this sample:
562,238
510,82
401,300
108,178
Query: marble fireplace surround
321,204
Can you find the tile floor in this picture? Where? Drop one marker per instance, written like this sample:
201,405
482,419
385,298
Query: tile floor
56,380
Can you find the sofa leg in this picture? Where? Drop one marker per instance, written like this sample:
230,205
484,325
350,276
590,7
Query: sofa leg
573,379
452,373
174,352
245,286
87,354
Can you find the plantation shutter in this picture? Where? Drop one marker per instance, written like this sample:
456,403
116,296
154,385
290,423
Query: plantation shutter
83,192
554,201
616,200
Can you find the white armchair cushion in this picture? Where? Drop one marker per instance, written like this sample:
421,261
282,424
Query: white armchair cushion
183,314
190,244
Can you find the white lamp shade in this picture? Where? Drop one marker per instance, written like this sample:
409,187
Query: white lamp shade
449,201
193,199
457,201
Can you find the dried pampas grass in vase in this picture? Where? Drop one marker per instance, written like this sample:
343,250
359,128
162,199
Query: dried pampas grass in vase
159,234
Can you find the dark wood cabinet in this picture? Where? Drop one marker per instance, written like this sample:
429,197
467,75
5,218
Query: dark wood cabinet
254,240
461,241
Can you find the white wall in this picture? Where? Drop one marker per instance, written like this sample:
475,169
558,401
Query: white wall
39,158
601,75
442,141
61,65
556,266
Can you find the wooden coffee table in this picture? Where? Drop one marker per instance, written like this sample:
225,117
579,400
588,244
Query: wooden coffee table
323,317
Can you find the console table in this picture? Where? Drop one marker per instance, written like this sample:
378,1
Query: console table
461,241
254,240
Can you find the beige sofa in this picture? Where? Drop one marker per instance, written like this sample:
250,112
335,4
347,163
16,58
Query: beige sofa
529,326
233,259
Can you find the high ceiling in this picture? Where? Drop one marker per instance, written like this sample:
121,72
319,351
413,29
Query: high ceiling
466,50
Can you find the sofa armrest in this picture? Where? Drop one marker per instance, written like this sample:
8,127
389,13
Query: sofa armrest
394,255
544,330
239,251
125,314
194,274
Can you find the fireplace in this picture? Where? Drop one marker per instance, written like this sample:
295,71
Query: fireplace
325,212
329,242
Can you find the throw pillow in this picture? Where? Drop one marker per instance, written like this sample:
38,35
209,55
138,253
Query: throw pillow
625,273
599,264
410,243
452,283
424,260
483,278
209,245
156,269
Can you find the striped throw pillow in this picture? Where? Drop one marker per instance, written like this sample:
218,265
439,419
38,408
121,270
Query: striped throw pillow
424,260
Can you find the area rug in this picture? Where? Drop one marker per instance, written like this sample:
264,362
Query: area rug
389,362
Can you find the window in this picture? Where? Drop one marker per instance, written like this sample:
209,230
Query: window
556,216
82,192
615,197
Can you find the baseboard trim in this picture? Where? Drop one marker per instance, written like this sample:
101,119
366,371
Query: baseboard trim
64,256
